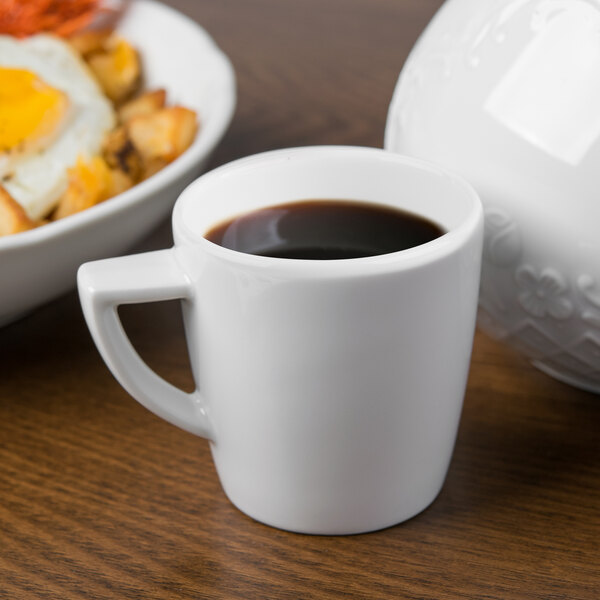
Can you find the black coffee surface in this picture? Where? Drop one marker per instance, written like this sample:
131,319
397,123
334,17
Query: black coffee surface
324,230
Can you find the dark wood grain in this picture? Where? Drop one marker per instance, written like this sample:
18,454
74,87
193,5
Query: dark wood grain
100,499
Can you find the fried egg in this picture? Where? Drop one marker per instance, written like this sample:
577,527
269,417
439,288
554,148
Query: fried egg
52,112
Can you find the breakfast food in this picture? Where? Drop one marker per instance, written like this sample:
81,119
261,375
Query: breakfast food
21,18
75,129
51,111
13,218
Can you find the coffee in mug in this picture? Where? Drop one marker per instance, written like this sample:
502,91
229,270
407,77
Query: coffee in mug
324,230
330,390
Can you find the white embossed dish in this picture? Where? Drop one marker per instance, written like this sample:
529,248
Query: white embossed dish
39,265
507,94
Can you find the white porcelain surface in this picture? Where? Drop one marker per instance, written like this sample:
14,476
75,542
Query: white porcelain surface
38,265
331,390
506,93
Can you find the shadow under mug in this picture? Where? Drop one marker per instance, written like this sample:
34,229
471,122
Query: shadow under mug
331,390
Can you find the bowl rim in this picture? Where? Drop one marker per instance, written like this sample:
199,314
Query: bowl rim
206,140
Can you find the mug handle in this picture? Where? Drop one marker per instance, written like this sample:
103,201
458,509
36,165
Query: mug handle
148,277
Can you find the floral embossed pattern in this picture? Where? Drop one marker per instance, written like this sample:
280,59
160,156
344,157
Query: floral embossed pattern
536,309
543,294
589,290
502,246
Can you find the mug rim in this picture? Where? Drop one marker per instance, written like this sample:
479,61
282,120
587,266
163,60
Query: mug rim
416,256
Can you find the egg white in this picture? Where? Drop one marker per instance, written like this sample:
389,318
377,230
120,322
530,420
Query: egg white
37,180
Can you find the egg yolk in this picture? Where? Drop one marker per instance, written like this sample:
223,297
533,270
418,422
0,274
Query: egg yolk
31,111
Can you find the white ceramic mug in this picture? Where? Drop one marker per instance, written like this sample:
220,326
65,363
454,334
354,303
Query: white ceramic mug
331,390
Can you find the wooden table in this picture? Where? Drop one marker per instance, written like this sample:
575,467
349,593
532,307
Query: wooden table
100,499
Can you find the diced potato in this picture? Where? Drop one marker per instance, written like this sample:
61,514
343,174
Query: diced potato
153,166
89,184
164,134
118,182
13,218
117,67
149,137
145,104
120,153
89,42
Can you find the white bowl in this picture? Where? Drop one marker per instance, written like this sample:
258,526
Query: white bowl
39,265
